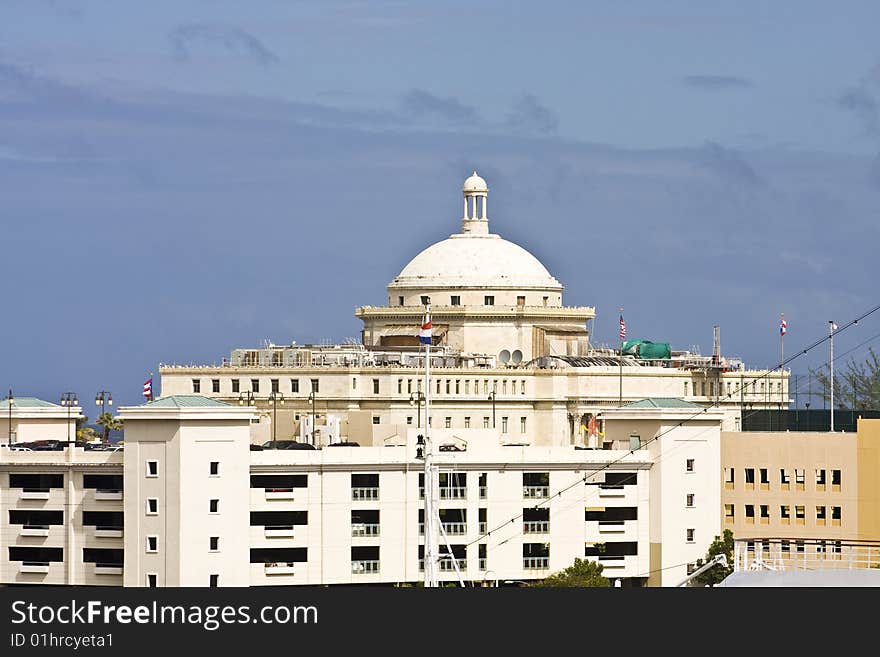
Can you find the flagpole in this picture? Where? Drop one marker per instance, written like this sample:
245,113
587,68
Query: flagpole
620,363
430,551
783,328
831,344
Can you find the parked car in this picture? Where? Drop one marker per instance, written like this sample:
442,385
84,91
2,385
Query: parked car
345,443
286,444
16,447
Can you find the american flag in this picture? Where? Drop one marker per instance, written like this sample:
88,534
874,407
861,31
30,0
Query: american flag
783,325
148,388
622,328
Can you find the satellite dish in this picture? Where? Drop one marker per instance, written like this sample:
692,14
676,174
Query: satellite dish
516,357
504,356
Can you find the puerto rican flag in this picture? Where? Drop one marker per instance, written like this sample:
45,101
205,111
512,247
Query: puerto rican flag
425,333
148,388
783,325
622,332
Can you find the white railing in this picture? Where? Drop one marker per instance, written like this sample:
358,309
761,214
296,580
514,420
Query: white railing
804,554
456,528
365,529
536,527
484,492
364,493
453,493
364,567
536,563
446,564
536,492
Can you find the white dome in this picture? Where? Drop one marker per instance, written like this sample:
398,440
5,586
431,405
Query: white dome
475,261
475,184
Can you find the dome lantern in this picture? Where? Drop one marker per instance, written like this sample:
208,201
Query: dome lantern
476,194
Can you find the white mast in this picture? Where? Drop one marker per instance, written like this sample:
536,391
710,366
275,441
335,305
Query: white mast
431,546
831,327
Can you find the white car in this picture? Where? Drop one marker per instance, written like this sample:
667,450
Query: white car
17,448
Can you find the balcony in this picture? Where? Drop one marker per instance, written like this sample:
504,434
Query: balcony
108,532
536,492
536,563
612,490
612,526
35,530
108,495
536,527
108,569
278,531
455,528
363,494
38,567
279,494
278,568
364,567
35,494
365,529
453,493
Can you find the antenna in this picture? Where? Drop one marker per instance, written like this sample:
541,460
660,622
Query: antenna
516,357
504,356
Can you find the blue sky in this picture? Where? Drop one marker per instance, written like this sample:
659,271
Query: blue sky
178,179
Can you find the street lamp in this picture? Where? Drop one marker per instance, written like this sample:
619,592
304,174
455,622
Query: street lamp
69,399
104,398
10,400
416,398
312,400
246,399
492,399
276,398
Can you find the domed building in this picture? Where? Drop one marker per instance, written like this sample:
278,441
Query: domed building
488,296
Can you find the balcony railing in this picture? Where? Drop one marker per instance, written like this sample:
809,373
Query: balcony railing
279,493
536,563
108,494
106,531
481,528
481,564
278,531
108,569
447,566
278,567
484,492
536,492
804,554
536,527
455,528
453,493
35,530
362,567
365,493
35,493
365,529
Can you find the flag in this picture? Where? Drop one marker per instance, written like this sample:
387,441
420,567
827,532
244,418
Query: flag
593,429
783,325
148,388
833,326
622,328
425,333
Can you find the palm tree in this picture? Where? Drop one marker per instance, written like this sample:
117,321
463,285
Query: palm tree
109,423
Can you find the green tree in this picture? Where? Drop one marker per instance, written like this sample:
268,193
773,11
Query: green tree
581,573
715,574
855,386
109,423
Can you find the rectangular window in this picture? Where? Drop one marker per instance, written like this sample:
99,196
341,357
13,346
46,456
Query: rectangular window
375,419
835,477
467,423
799,477
765,511
820,476
503,425
274,385
784,478
294,385
214,469
214,544
152,506
214,581
522,425
485,423
409,419
689,465
215,385
314,383
457,386
750,510
690,535
152,468
750,476
522,387
375,386
728,511
399,301
399,386
765,476
488,301
425,300
448,384
214,506
729,475
235,385
455,300
152,543
354,383
820,513
835,513
689,500
255,385
785,512
447,422
799,512
520,302
197,385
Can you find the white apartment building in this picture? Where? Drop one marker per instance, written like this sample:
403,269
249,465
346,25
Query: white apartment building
189,503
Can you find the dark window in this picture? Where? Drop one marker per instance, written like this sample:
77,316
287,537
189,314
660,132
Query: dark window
536,550
213,506
279,481
35,517
274,383
214,468
399,301
153,468
364,481
214,581
536,515
375,386
455,300
750,475
294,385
365,553
279,518
315,385
366,516
103,556
235,386
36,481
283,555
765,477
835,477
536,478
612,550
36,554
152,505
750,510
104,519
620,479
489,301
151,580
520,301
197,385
214,543
613,514
215,385
425,300
103,482
255,385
